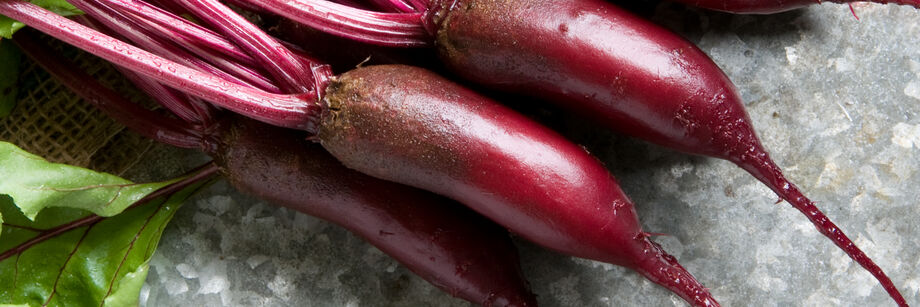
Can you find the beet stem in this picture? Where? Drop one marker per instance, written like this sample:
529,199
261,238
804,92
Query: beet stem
239,68
293,75
225,62
421,5
105,17
764,169
393,6
148,123
190,109
387,29
187,108
663,269
301,111
184,29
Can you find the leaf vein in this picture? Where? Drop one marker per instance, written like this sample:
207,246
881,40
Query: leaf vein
48,234
66,262
128,251
23,227
89,187
16,270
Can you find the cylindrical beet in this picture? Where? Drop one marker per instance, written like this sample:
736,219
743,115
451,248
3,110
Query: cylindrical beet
444,243
411,126
598,60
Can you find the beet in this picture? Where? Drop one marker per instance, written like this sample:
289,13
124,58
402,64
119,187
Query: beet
425,131
442,242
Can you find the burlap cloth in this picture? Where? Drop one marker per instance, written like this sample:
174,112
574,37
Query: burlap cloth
50,121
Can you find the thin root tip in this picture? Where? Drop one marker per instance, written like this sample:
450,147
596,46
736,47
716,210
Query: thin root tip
833,232
915,4
663,269
767,172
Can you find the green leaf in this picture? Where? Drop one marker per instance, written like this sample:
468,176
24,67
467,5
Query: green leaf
103,263
9,70
64,255
8,26
4,201
36,184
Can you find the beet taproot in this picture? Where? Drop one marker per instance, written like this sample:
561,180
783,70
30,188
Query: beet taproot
437,239
408,125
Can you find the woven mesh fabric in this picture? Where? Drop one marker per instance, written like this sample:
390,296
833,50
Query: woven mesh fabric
52,122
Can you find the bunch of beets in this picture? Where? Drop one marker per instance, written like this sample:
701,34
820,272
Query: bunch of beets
370,148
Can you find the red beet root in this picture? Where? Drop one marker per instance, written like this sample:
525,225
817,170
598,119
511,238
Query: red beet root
425,131
627,73
454,249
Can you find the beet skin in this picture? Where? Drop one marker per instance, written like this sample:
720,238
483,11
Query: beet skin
436,238
408,125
